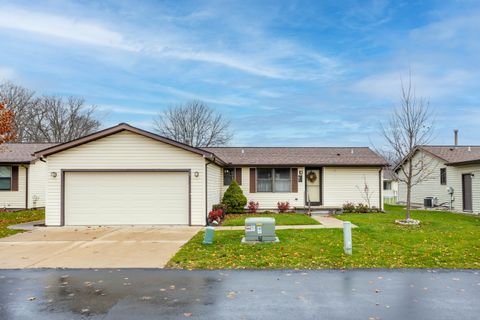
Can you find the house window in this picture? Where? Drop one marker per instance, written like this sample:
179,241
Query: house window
443,176
274,180
5,178
387,185
228,176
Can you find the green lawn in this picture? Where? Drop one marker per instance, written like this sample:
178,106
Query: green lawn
443,240
9,218
280,219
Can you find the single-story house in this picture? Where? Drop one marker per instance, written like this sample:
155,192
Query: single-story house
22,176
127,176
452,178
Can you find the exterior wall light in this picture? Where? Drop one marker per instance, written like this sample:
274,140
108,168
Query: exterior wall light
53,174
196,174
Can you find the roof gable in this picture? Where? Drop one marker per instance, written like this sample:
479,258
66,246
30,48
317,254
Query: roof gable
116,129
455,154
449,155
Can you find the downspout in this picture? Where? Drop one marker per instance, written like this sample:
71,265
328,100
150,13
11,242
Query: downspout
206,189
26,187
380,189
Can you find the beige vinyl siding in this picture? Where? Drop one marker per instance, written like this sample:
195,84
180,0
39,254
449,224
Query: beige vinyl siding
16,199
37,180
269,200
431,186
126,150
454,180
214,185
342,184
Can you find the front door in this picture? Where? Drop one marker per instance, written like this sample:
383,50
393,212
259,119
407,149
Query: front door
313,187
467,192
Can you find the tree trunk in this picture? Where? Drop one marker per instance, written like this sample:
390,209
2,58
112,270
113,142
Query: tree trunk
409,192
409,188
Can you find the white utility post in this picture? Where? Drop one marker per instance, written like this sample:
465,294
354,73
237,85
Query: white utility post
347,237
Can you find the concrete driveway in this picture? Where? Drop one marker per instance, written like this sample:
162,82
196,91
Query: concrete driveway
93,247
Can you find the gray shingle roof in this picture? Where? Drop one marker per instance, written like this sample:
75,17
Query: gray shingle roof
455,154
312,156
20,152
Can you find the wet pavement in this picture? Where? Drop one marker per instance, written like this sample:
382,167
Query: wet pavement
177,294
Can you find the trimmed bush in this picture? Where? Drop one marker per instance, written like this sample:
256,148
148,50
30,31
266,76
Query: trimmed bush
219,206
253,207
362,208
234,199
215,215
348,207
283,206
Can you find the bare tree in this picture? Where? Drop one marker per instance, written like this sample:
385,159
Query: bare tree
22,103
410,126
60,119
366,192
195,124
47,119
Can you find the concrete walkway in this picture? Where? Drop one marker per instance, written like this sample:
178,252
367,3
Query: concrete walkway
327,222
93,247
27,225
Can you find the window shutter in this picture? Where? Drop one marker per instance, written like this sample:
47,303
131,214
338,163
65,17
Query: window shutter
253,186
14,186
238,175
294,180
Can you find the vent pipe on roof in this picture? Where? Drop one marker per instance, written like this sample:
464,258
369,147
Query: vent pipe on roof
469,149
455,137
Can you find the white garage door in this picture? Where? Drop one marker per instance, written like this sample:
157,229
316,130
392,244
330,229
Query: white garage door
126,198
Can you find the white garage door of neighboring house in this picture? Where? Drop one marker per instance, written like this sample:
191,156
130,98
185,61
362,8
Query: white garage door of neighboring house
126,198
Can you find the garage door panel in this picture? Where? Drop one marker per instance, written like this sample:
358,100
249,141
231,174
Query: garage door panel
116,198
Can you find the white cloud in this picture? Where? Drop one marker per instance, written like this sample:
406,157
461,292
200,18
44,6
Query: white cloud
264,56
430,84
67,28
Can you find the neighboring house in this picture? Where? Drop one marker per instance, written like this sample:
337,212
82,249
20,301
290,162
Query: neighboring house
451,168
125,175
390,186
22,176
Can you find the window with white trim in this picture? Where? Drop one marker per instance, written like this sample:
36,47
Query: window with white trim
274,180
5,178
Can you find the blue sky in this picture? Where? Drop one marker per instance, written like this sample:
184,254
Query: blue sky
311,73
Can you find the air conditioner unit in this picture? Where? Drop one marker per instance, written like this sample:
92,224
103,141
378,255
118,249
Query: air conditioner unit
430,202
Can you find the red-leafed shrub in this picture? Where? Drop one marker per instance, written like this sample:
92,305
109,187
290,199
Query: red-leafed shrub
283,206
215,215
253,207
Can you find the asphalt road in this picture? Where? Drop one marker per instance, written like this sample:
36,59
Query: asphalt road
170,294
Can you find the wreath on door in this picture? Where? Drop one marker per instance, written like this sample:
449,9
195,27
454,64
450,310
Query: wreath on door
312,176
